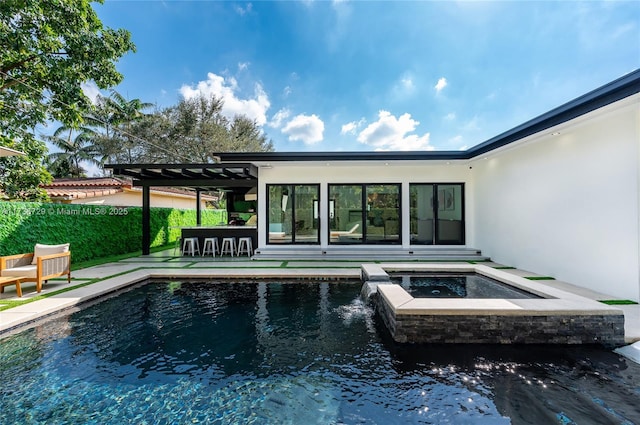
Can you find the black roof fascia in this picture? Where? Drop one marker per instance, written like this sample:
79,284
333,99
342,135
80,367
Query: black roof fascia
341,156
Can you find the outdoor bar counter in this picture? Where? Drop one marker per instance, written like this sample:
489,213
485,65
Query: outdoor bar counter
221,232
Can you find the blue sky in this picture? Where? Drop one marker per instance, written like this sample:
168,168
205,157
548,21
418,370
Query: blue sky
376,75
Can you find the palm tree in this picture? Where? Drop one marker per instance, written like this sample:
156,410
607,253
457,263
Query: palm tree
76,147
114,116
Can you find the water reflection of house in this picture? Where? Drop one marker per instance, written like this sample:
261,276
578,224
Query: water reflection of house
120,192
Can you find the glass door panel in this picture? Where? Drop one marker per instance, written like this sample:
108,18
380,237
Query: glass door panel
280,213
306,228
450,223
422,216
382,225
345,213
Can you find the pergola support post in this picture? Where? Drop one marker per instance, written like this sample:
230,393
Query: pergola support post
198,211
146,221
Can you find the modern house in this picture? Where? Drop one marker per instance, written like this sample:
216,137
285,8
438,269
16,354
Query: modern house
558,195
118,192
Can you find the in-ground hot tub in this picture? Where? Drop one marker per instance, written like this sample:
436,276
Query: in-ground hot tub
552,317
456,285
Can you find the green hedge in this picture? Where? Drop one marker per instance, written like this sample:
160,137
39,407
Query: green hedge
94,231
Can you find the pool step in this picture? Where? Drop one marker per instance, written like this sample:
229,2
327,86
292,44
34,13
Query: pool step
368,254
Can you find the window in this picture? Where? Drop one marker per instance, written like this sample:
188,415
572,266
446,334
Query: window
364,214
292,215
436,214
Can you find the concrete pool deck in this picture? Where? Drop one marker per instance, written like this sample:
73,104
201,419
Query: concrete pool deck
93,282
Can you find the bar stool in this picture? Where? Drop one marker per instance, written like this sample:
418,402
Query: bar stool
177,246
210,246
190,246
245,245
228,246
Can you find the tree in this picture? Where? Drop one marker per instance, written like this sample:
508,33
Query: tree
21,175
112,119
75,148
48,48
246,136
193,131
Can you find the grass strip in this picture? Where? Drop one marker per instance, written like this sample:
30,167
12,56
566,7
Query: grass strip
16,303
114,258
19,302
540,278
504,268
618,302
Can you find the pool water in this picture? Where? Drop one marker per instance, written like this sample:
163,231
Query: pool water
457,286
289,353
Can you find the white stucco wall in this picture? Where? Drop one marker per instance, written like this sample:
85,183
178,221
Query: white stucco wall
567,205
353,172
134,199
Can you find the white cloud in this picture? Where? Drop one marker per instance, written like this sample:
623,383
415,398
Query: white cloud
352,127
243,66
404,87
451,116
287,91
391,133
349,128
279,117
255,107
90,90
243,10
441,84
407,83
308,129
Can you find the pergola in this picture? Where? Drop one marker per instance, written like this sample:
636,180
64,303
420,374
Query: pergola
201,177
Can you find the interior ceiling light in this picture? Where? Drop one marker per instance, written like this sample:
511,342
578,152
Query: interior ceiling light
555,133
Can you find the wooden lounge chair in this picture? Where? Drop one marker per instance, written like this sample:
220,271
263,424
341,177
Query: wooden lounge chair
46,262
338,233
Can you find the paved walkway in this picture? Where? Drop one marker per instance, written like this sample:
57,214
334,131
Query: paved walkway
96,281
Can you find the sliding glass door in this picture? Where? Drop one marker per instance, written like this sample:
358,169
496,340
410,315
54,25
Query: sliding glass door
436,214
293,214
364,214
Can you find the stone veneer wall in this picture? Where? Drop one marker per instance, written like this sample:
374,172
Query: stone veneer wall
606,330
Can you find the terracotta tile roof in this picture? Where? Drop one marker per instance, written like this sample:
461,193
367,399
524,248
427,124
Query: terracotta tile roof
88,182
83,188
80,193
92,187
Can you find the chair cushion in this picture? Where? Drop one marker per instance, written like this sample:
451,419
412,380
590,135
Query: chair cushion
27,271
40,250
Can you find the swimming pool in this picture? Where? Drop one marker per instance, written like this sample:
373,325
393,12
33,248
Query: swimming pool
469,285
297,353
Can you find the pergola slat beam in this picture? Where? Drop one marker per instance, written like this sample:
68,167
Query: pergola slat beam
214,183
